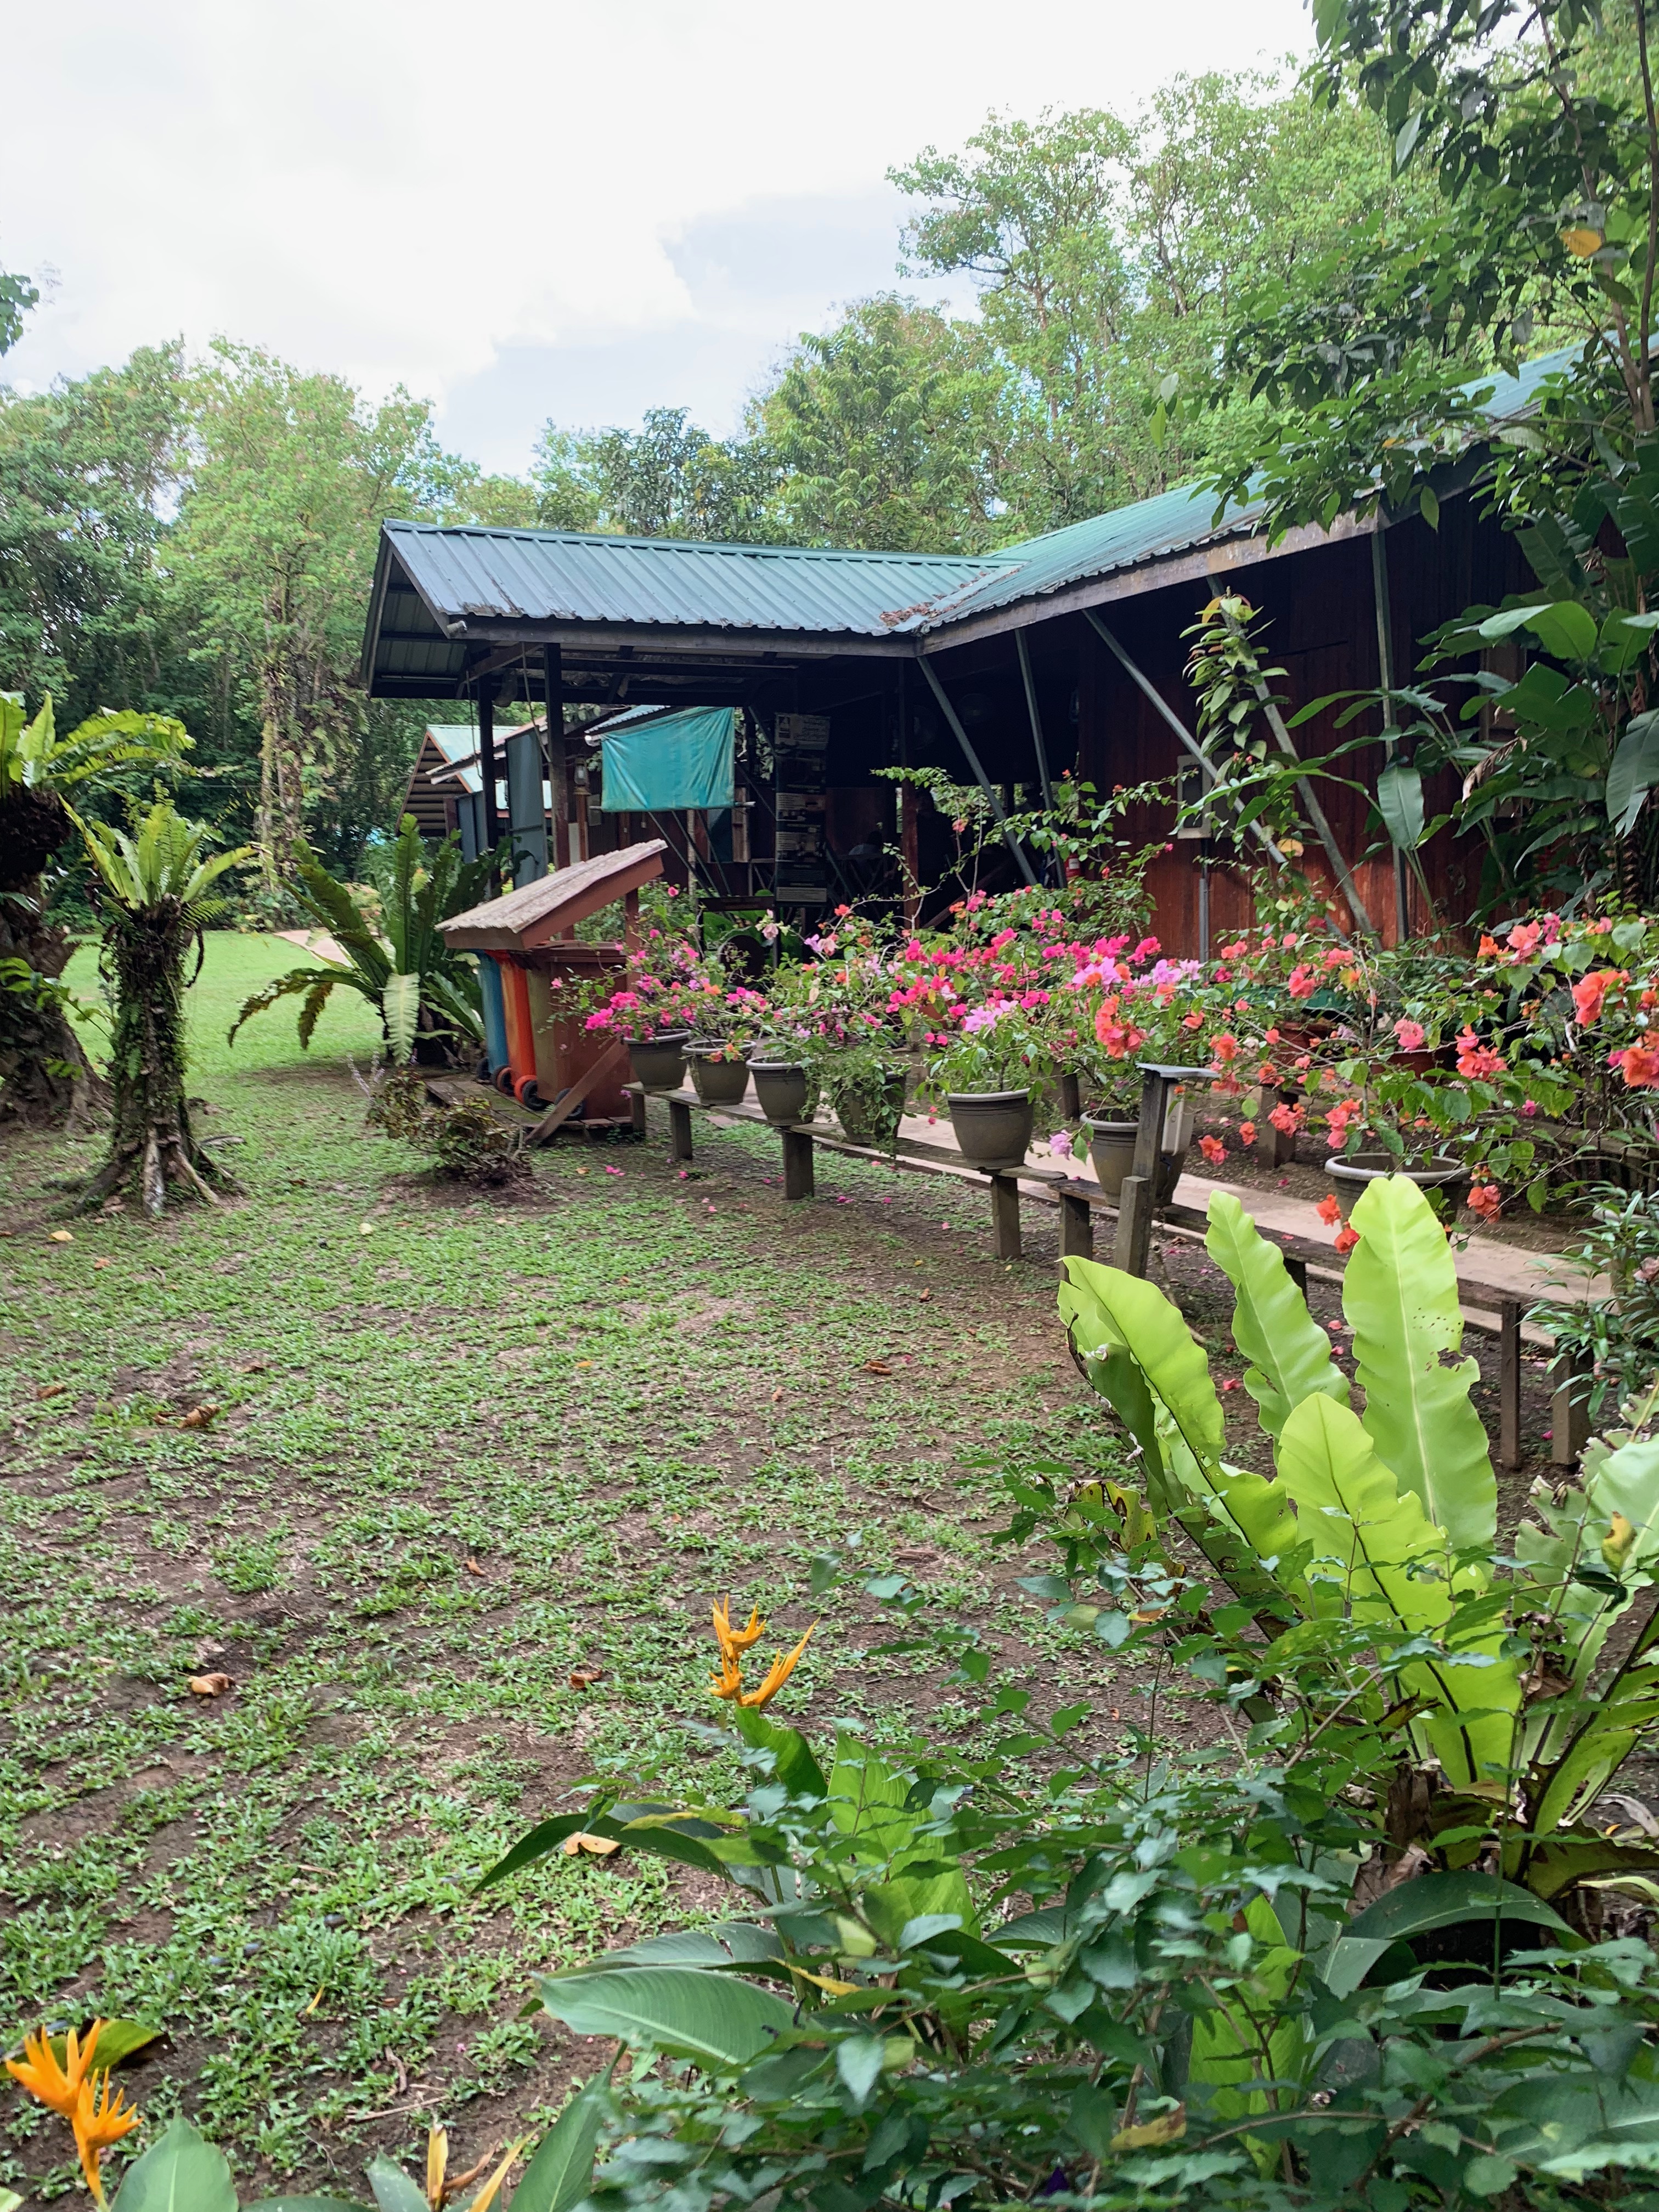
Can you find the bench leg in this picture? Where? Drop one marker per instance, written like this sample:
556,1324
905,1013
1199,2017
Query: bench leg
1004,1216
679,1130
1509,1383
1077,1228
1134,1225
797,1180
1569,1412
636,1108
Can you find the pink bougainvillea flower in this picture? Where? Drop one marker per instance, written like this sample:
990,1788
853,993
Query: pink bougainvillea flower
1224,1046
1475,1059
1410,1037
1213,1149
1247,1133
1287,1119
1589,993
1639,1066
1301,985
1485,1202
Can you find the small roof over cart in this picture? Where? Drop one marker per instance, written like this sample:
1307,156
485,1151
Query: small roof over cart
551,907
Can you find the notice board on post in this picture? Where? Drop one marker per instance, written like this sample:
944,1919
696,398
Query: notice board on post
799,744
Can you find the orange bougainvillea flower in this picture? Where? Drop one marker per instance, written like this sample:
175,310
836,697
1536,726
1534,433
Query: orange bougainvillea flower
56,2087
732,1641
777,1674
1329,1210
1346,1239
100,2120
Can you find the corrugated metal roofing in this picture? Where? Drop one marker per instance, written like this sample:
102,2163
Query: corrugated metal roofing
564,576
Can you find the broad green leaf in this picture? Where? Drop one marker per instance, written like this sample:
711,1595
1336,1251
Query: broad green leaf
1102,1307
393,2190
561,2171
718,2021
1567,631
730,1943
1505,623
1634,772
1400,1295
1571,2125
868,1801
1447,1900
1227,2054
1625,638
891,1907
796,1768
117,2040
181,2172
1604,1738
400,1003
300,2205
1400,802
1290,1354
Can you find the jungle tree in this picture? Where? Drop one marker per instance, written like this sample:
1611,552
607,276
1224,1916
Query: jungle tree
155,884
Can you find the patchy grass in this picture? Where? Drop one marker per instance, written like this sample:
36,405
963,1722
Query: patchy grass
468,1453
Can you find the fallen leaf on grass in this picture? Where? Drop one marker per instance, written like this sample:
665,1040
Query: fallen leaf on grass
199,1417
583,1677
365,1228
928,1294
52,1389
877,1367
473,1568
209,1685
598,1847
584,1171
101,1263
777,1397
61,1236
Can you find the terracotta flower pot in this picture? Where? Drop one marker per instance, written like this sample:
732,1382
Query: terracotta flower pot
783,1089
659,1062
993,1127
719,1073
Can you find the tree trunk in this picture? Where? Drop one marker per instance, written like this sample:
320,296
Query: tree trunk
45,1077
152,1149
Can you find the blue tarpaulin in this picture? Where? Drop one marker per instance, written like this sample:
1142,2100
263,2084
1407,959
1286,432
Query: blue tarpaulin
672,761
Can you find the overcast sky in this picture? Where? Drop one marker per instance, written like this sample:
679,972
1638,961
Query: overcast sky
521,208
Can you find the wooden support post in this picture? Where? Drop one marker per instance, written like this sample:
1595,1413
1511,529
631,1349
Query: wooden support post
636,1107
1071,1096
1077,1228
1004,1216
1273,1146
1509,1383
557,777
1134,1225
1569,1410
492,813
1297,1268
679,1129
797,1173
604,1070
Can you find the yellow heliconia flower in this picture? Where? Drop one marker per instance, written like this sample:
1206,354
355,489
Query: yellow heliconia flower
728,1682
734,1641
55,2087
101,2119
777,1674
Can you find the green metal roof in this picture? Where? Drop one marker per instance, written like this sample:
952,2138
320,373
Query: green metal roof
469,574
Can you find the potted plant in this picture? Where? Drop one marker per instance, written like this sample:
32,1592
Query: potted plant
864,1082
995,1065
720,1070
786,1087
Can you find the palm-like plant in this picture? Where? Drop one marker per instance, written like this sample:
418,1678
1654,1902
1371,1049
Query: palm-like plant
416,985
156,885
44,1073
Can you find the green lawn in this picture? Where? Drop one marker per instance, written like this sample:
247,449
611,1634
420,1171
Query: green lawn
463,1446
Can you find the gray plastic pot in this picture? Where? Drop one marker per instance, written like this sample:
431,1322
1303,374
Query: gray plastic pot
1112,1150
783,1089
659,1062
867,1120
718,1076
1449,1178
993,1128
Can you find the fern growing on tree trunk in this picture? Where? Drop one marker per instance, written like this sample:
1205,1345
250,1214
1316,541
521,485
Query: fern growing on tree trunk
155,884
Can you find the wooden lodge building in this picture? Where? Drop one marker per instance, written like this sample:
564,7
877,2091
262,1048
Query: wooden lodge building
1008,669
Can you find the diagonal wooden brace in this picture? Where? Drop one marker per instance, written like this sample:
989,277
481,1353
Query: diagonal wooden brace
603,1070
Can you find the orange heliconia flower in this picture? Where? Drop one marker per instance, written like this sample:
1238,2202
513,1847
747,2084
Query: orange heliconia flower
56,2087
777,1674
729,1681
100,2120
734,1641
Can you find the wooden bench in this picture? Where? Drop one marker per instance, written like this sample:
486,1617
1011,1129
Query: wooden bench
1496,1311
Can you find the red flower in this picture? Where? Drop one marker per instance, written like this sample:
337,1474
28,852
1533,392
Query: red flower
1329,1209
1485,1202
1223,1047
1591,991
1639,1066
1346,1240
1213,1149
1475,1059
1247,1133
1287,1120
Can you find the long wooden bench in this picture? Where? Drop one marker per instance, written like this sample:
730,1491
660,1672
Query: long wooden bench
1493,1309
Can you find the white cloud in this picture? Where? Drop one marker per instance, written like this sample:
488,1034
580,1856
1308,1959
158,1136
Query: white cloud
520,209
